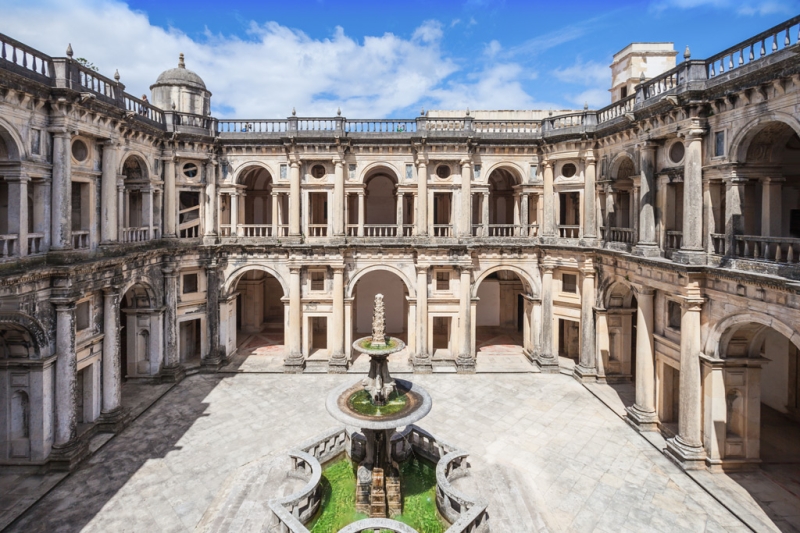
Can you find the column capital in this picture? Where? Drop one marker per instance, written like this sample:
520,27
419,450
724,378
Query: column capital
63,305
548,163
422,269
692,303
338,269
466,162
768,180
548,265
695,133
648,145
590,159
338,162
294,164
421,162
643,291
295,269
169,271
111,290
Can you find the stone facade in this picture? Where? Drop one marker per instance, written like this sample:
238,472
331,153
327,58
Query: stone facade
653,240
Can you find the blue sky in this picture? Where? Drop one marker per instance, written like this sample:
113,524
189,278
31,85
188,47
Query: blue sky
378,59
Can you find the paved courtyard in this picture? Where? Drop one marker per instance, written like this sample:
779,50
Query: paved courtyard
546,453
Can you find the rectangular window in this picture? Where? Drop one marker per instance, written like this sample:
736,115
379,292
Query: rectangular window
317,280
719,144
189,214
477,171
442,281
533,170
569,283
623,93
674,315
284,172
82,315
351,172
409,172
36,138
189,283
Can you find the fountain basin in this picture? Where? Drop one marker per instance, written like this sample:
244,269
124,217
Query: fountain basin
392,345
411,405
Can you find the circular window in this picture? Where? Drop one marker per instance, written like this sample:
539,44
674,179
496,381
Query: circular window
318,171
569,170
190,170
676,152
443,171
79,150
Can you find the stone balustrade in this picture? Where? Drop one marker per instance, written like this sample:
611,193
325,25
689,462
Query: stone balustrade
380,230
80,240
143,109
317,230
291,512
773,249
135,234
674,240
507,126
252,126
35,243
25,60
442,230
623,235
466,515
569,231
8,246
380,126
620,108
718,244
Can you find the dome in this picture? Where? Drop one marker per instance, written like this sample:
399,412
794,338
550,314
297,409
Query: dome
180,76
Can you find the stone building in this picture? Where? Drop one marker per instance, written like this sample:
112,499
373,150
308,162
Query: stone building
655,240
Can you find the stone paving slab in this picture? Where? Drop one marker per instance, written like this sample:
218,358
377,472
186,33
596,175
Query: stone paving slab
584,469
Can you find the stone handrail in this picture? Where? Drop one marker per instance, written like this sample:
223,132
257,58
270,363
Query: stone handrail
569,231
617,109
380,230
80,239
442,230
35,242
569,120
192,120
255,230
718,243
326,446
25,60
674,240
507,126
140,108
624,235
465,514
291,512
408,230
253,126
377,525
754,48
380,126
136,234
8,245
503,230
318,124
317,230
445,124
774,249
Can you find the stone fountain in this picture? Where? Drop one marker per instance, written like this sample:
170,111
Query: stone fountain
378,405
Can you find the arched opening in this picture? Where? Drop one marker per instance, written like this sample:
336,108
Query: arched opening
395,298
765,210
14,224
16,346
500,315
139,205
619,208
140,352
380,210
260,316
761,374
254,211
501,208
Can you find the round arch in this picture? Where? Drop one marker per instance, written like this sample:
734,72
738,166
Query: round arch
145,284
375,268
515,170
12,140
609,286
722,332
527,282
379,168
31,326
740,143
616,163
239,175
233,278
142,159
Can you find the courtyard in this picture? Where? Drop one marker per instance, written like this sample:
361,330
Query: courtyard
548,454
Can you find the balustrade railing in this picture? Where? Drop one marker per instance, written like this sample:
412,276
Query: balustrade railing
226,230
674,240
624,235
442,230
352,230
661,83
21,57
317,230
189,232
35,243
617,109
408,230
8,245
135,234
80,239
718,244
569,231
773,249
445,124
533,230
380,230
503,230
96,83
253,126
255,230
765,43
142,108
507,126
564,121
317,124
192,120
380,126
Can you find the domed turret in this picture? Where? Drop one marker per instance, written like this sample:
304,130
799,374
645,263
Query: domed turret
183,89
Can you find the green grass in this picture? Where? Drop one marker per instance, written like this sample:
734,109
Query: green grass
367,345
418,482
361,403
338,507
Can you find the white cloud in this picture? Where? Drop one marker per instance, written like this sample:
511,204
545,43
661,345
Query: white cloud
492,49
590,73
761,7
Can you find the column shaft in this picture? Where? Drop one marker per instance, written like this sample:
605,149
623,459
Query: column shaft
338,199
422,199
587,368
234,214
589,201
422,361
108,193
170,199
171,359
465,362
399,215
771,207
361,195
549,229
211,201
337,349
643,413
275,218
18,212
546,358
485,214
693,193
61,201
66,375
294,358
112,374
647,196
465,224
294,199
523,214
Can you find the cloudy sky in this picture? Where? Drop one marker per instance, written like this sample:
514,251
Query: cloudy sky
375,58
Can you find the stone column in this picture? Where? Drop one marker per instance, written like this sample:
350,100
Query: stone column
122,209
422,359
549,215
465,224
214,357
338,361
66,376
108,194
546,359
517,219
771,206
61,201
275,219
422,195
692,246
234,214
338,199
294,199
643,413
687,446
399,211
586,369
734,212
112,371
523,214
293,361
170,199
589,203
485,214
465,362
361,195
172,367
635,208
147,200
210,228
18,211
647,245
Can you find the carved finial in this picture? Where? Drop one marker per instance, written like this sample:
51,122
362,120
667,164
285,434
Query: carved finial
181,63
550,113
116,74
467,111
686,53
642,78
173,106
294,112
585,106
69,50
422,112
338,111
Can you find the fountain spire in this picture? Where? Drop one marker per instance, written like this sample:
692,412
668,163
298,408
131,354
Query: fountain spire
378,322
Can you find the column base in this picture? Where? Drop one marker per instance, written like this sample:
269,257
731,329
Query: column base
421,363
592,242
584,374
172,374
642,420
687,456
212,362
210,239
338,364
547,363
646,250
294,364
465,364
67,457
113,421
689,257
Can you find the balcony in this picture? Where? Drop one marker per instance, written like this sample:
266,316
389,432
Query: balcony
138,234
781,250
674,240
623,235
80,240
569,231
8,246
442,230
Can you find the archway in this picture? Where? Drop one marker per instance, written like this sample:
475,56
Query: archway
616,321
140,334
619,206
138,205
501,203
380,210
395,293
254,213
500,314
16,346
260,315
